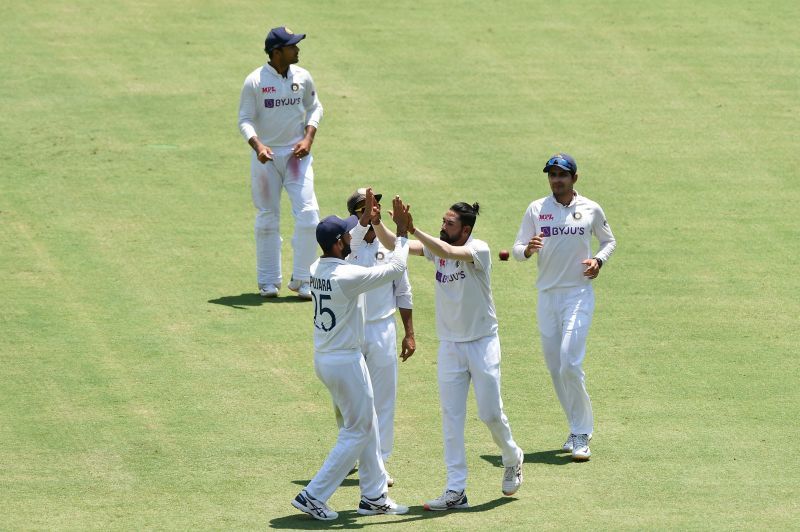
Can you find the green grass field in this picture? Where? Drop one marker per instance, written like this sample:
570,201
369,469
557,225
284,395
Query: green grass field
144,385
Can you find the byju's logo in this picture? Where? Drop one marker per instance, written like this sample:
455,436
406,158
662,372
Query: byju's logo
565,231
270,103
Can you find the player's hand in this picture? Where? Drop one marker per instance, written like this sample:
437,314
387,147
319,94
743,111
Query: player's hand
534,244
400,214
369,208
376,214
302,148
264,153
592,268
409,346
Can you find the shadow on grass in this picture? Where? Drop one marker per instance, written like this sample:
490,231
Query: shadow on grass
242,301
352,519
345,482
554,457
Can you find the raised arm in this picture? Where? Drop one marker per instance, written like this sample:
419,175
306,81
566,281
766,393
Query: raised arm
442,249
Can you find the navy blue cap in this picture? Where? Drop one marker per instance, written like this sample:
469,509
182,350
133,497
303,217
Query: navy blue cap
281,36
562,160
332,228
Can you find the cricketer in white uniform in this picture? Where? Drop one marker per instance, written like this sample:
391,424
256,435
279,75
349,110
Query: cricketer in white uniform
559,228
279,113
469,349
337,291
380,332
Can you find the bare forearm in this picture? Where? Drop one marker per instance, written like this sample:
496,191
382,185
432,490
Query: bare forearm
442,249
408,322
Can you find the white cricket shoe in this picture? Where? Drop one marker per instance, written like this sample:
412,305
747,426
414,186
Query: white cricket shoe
303,288
268,290
569,444
381,505
316,509
450,500
512,478
580,447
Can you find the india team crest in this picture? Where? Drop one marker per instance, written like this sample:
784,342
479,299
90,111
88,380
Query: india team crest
290,32
295,87
577,215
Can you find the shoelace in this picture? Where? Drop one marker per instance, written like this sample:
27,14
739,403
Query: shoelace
511,472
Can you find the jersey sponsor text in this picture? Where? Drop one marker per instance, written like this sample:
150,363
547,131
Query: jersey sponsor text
555,231
271,103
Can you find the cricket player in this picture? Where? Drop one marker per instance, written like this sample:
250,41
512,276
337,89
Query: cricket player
469,348
559,229
337,289
279,113
380,333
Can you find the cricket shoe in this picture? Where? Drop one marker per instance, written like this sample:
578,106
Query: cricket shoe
268,290
316,509
381,505
450,500
303,288
512,478
580,447
569,444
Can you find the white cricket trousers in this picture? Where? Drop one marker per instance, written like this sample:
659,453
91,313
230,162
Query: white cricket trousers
347,379
459,362
297,177
564,316
380,353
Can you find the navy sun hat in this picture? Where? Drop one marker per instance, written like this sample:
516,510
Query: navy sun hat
332,228
562,160
281,36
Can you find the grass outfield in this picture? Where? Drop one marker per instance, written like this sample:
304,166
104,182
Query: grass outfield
143,384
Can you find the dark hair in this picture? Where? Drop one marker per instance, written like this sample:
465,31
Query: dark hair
466,213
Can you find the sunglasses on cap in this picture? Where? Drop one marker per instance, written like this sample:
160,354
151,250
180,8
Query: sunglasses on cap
560,162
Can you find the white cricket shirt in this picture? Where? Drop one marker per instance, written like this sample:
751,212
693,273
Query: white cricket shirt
464,304
380,302
278,109
337,289
568,234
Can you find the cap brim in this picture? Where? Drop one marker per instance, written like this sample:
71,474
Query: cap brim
296,38
378,197
350,222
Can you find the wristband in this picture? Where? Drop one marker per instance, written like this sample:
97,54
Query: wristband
599,262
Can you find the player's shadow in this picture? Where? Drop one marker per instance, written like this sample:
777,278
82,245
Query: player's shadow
554,457
351,518
242,301
345,482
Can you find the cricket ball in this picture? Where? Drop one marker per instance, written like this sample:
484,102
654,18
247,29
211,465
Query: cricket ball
503,254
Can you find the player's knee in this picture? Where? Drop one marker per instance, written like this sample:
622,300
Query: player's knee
307,220
267,222
571,372
491,417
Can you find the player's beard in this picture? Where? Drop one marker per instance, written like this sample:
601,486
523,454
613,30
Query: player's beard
346,250
445,237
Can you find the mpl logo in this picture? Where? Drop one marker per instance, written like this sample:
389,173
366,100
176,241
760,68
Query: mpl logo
268,90
545,216
546,230
442,262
